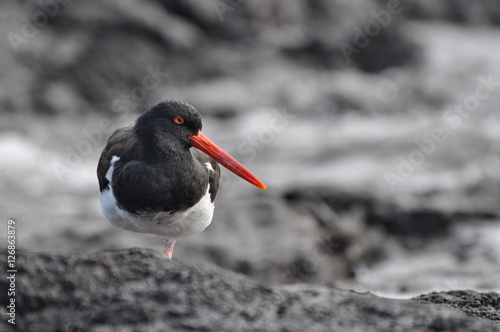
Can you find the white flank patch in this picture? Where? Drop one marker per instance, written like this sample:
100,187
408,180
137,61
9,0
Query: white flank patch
108,201
109,173
209,166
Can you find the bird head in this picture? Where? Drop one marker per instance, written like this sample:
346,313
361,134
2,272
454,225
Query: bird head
174,126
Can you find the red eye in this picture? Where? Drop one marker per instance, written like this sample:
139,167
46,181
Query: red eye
178,120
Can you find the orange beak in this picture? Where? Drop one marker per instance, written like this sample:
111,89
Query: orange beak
201,142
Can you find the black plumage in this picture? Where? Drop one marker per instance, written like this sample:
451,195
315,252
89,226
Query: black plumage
158,170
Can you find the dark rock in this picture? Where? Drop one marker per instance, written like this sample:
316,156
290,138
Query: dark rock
415,222
138,290
458,11
483,305
389,48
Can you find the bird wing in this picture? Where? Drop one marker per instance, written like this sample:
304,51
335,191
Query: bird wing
118,143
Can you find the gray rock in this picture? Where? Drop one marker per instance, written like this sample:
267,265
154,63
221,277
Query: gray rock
138,290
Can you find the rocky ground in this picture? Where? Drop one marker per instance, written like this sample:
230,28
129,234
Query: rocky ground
383,165
138,290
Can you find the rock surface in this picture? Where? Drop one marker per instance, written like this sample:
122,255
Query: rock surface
137,290
484,305
320,128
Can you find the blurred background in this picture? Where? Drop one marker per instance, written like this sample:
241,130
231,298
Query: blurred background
375,125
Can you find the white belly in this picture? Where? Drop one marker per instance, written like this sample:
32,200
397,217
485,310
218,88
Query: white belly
177,224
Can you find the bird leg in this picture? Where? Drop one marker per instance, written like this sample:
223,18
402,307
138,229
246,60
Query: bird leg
169,248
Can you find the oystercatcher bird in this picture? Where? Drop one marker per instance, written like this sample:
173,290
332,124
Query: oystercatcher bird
153,181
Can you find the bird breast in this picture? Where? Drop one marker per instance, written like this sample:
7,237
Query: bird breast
175,224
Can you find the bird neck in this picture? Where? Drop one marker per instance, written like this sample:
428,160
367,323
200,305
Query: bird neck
170,153
162,147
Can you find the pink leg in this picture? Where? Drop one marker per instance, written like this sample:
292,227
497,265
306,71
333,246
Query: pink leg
169,248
